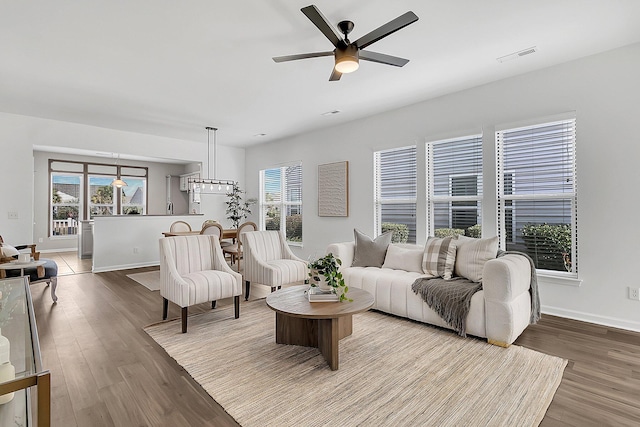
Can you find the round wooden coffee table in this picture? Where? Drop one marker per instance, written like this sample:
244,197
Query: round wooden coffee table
316,324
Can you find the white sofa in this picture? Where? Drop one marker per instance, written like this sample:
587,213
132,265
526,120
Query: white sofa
499,312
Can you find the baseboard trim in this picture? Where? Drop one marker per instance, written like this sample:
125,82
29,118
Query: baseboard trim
124,267
613,322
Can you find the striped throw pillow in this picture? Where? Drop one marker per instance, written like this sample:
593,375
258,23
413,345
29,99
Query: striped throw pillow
439,257
472,254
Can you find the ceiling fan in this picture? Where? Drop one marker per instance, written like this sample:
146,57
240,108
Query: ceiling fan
346,53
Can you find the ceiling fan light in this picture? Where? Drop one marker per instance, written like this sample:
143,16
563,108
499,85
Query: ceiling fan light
347,61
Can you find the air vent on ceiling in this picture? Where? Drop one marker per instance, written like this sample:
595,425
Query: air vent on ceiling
518,54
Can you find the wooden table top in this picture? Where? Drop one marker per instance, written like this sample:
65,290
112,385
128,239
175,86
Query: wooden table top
293,301
230,233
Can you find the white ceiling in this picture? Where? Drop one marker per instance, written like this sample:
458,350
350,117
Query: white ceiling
170,68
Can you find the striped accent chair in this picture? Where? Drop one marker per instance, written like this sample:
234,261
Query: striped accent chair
269,260
192,271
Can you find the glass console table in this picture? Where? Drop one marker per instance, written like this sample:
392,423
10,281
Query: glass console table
29,406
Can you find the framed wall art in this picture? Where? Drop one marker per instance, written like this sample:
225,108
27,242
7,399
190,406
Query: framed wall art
333,189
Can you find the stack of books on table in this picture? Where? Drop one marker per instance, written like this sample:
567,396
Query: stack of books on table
317,295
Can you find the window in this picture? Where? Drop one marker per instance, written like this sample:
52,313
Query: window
395,189
281,191
454,186
83,190
537,195
65,203
101,196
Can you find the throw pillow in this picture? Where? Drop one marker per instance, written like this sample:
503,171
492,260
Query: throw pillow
9,251
404,258
472,255
439,257
370,253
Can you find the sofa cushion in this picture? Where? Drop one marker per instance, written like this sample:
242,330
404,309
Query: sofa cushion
9,251
439,257
472,254
404,258
368,252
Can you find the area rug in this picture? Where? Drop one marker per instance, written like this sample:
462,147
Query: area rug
393,372
148,279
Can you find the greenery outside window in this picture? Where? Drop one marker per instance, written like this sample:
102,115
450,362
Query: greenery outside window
65,206
281,192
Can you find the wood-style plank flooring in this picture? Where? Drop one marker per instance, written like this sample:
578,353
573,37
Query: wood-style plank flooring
106,371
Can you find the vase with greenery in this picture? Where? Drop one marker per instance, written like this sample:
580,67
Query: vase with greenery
237,209
325,272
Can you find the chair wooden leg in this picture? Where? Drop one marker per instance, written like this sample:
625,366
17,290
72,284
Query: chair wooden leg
165,308
184,319
236,305
213,304
247,285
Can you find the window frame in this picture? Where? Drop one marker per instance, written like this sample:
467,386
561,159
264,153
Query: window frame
379,201
283,204
432,199
86,169
571,197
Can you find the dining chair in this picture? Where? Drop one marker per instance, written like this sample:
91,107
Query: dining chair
179,226
235,249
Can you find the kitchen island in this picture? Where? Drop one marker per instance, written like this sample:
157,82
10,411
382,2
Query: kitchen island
131,241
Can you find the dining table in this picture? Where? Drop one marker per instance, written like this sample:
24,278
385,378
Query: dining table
227,233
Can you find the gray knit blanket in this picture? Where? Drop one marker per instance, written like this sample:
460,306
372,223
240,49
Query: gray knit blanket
451,299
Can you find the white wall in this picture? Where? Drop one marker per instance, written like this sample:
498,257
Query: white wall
18,135
603,90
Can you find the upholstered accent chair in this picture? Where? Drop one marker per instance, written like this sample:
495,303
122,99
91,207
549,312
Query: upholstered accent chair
180,226
193,271
48,272
269,260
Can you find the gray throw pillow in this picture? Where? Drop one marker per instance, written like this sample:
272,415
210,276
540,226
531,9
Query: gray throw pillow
370,253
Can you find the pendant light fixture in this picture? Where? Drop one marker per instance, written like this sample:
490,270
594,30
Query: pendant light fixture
118,183
210,183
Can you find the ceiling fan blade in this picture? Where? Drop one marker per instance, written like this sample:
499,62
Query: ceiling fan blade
389,28
301,56
382,58
335,75
318,19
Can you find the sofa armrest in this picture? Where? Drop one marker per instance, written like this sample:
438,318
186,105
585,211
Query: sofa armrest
506,282
506,277
344,251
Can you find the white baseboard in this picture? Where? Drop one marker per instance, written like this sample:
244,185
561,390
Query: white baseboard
124,267
613,322
51,251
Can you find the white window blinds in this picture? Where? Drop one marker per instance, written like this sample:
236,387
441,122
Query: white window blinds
395,189
454,186
537,194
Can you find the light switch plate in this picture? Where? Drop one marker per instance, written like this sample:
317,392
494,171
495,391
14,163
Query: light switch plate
12,215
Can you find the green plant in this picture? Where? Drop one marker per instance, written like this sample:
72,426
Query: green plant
237,209
549,245
328,267
474,231
400,231
447,232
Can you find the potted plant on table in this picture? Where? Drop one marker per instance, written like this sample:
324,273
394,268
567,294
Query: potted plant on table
325,274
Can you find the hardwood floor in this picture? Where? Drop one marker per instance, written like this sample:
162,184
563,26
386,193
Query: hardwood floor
106,371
